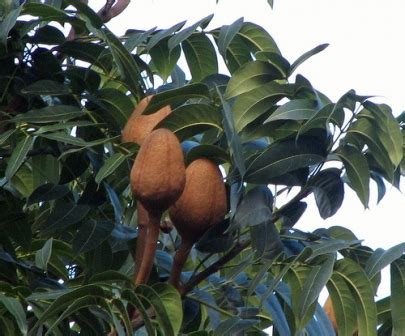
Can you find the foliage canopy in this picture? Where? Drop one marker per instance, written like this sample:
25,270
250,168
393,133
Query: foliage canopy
68,220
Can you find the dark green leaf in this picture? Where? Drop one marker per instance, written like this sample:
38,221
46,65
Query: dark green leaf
363,294
64,138
276,59
4,137
15,308
254,209
177,96
233,325
48,192
215,240
200,55
226,35
110,165
299,109
307,55
214,153
281,158
357,171
7,23
257,38
91,235
161,34
328,190
237,54
397,296
50,114
46,87
65,215
43,255
179,37
250,76
164,59
251,105
314,283
191,119
18,156
382,258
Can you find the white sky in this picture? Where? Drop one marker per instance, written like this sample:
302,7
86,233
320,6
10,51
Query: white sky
366,53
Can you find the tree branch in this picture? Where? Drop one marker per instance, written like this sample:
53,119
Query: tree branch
194,281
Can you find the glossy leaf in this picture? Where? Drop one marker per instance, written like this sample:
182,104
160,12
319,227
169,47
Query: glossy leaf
237,54
307,55
357,171
46,87
110,165
43,255
257,38
188,120
200,56
7,23
233,325
250,76
164,59
163,33
314,283
397,295
47,192
91,235
382,258
18,156
182,35
226,35
328,190
15,308
251,105
281,158
299,109
177,96
57,113
363,295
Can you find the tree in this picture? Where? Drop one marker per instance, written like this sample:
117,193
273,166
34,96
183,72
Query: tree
68,218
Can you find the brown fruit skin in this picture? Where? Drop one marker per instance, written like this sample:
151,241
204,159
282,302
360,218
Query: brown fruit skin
328,308
158,173
203,202
139,126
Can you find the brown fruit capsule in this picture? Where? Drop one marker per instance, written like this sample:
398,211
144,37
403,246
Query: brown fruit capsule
202,204
157,180
139,126
329,311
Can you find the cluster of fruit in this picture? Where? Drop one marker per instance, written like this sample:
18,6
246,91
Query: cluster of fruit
195,196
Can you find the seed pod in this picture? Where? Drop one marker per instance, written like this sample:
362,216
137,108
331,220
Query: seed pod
202,204
139,125
157,180
158,174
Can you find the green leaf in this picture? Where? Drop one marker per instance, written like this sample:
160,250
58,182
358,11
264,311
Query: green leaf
388,130
237,54
179,37
15,308
234,325
188,120
250,76
18,156
214,153
164,59
257,38
283,157
91,234
298,109
50,114
382,258
306,56
43,255
46,87
201,56
48,192
116,103
171,300
92,53
328,190
363,294
227,34
65,138
276,59
5,135
163,33
397,296
177,96
78,304
7,23
119,305
343,304
357,171
110,165
251,105
314,283
65,215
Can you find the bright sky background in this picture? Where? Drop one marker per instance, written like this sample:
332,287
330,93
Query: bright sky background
366,53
